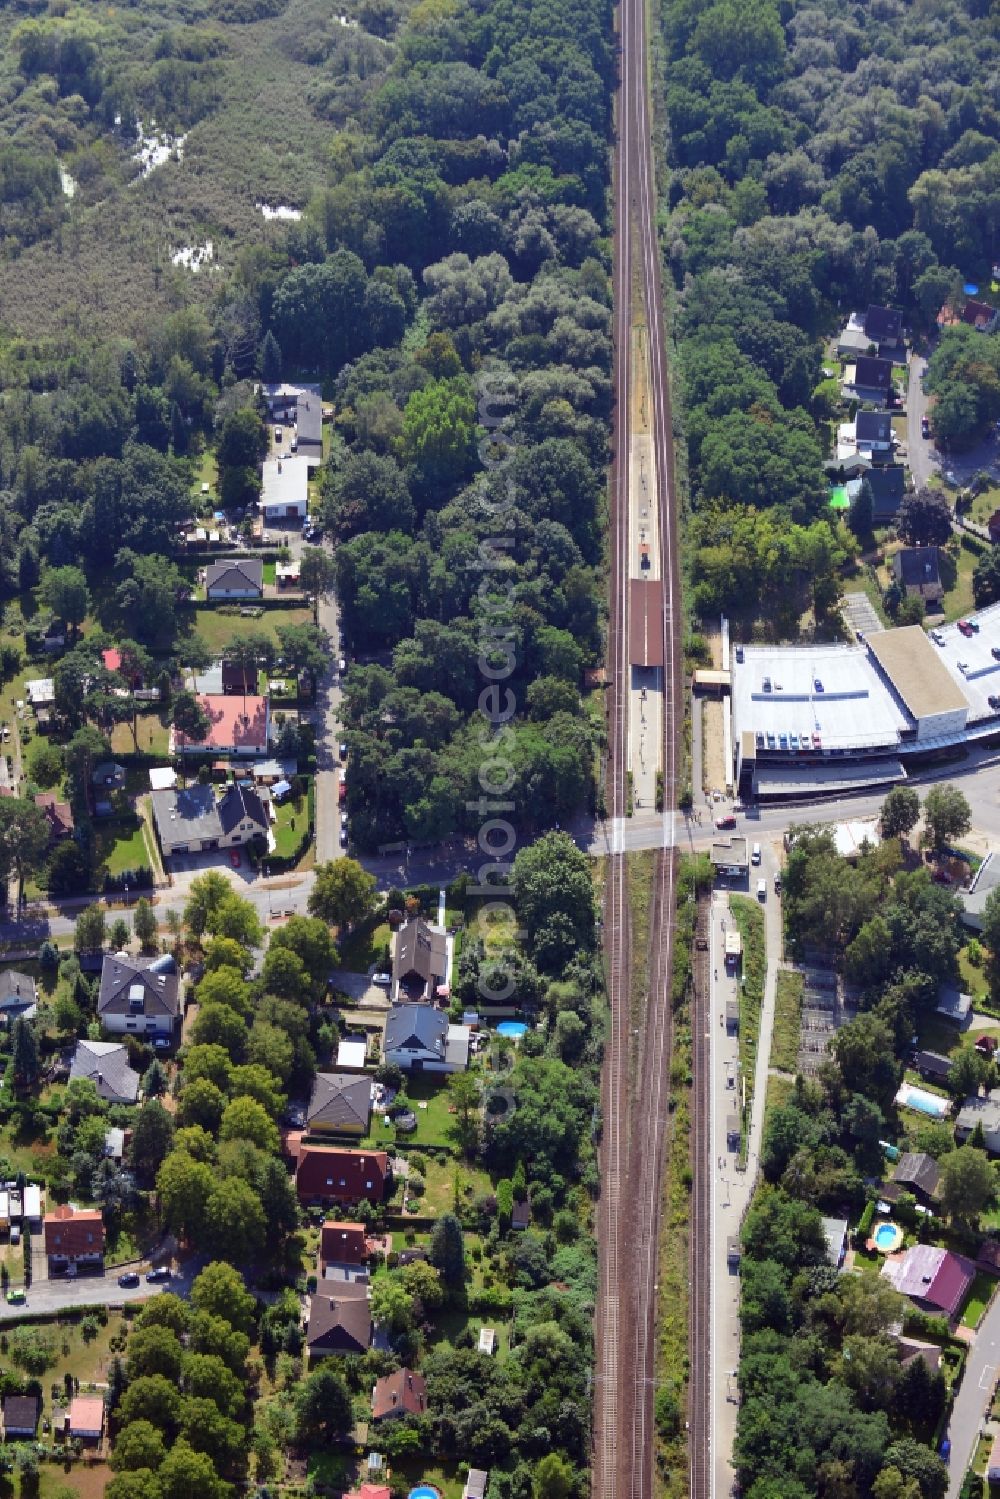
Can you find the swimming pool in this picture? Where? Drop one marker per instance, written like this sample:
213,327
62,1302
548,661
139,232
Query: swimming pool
931,1104
887,1237
424,1491
514,1029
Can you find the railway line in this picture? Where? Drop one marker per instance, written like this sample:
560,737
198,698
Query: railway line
635,1093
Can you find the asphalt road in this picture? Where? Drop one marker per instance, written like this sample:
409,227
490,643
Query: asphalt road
920,450
91,1290
982,1368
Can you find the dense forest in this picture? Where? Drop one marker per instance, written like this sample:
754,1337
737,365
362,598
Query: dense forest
824,157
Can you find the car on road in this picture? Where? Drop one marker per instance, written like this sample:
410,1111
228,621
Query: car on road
16,1295
937,637
965,628
129,1280
762,889
755,855
342,749
342,665
925,427
343,837
277,434
729,821
384,980
162,1272
234,858
777,884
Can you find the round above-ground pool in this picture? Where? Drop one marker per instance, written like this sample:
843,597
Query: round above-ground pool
424,1491
886,1238
514,1030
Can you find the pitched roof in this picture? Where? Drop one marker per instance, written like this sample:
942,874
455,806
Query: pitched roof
416,1028
138,985
59,814
888,483
340,1323
16,989
421,954
369,1491
240,803
932,1063
73,1231
936,1276
112,659
340,1100
105,1063
235,572
20,1413
86,1413
918,1169
882,323
239,676
916,567
235,722
403,1391
978,314
873,373
873,426
326,1171
343,1243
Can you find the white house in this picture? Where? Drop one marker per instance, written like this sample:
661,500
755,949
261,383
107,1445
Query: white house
138,997
239,578
419,1038
285,489
190,820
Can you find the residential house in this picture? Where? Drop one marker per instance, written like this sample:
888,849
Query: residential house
73,1236
105,1064
86,1418
888,485
236,578
340,1104
369,1491
854,340
520,1216
420,961
401,1394
238,678
340,1322
59,815
191,820
918,1172
954,1006
981,316
915,1348
20,1418
873,432
475,1484
488,1340
342,1244
730,858
938,1280
288,574
18,996
302,407
932,1066
884,326
324,1173
138,996
40,692
109,774
835,1231
983,1111
284,491
236,726
917,570
419,1038
868,379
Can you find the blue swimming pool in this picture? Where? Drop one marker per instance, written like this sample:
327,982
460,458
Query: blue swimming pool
888,1237
923,1101
515,1029
424,1491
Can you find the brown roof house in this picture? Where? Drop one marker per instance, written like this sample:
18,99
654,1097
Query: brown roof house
59,815
339,1323
401,1394
420,961
20,1417
326,1174
342,1244
340,1104
73,1237
85,1418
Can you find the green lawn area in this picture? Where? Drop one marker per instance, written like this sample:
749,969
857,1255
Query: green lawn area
363,948
973,978
153,736
429,1098
982,1289
957,577
440,1177
415,1470
119,844
293,819
787,1013
270,572
750,919
780,1091
984,505
217,628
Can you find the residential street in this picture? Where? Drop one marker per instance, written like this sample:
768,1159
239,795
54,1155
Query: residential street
92,1290
974,1395
920,450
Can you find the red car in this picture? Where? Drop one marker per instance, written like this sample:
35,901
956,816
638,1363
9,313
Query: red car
965,627
725,822
234,858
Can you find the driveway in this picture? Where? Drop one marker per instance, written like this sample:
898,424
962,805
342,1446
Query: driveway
982,1368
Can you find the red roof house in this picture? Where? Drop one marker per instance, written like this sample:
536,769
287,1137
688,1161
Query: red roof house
59,814
369,1491
237,725
326,1174
936,1279
342,1244
73,1234
401,1394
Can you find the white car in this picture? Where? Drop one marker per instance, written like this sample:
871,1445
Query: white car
384,980
342,665
762,890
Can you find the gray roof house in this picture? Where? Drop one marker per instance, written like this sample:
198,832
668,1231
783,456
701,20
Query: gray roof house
868,379
190,819
340,1104
138,996
420,960
918,571
105,1063
984,1111
884,326
237,578
873,431
888,485
918,1171
418,1038
18,996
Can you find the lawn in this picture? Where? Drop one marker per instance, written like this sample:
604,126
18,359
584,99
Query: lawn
979,1298
152,732
956,574
787,1015
270,573
780,1090
750,919
293,820
119,844
416,1470
430,1100
973,979
363,948
440,1176
217,628
984,505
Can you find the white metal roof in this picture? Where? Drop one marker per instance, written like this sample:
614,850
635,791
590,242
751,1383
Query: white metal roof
830,690
980,678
